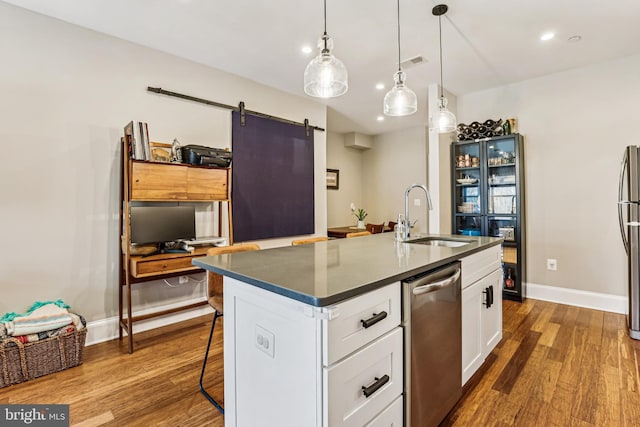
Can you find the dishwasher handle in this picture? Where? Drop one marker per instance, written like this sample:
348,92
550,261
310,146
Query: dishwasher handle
423,285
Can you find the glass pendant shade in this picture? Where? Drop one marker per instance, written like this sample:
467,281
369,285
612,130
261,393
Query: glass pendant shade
325,76
443,121
400,100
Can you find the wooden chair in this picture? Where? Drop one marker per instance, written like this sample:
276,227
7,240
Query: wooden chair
392,224
375,228
309,240
358,234
214,295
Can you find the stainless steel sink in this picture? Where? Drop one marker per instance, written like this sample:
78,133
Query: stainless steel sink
441,241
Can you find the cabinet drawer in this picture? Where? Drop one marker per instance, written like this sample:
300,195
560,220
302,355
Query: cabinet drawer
155,181
478,265
345,402
142,268
345,332
207,184
392,416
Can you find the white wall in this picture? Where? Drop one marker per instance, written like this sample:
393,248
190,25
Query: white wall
576,125
349,162
376,179
439,165
397,160
66,95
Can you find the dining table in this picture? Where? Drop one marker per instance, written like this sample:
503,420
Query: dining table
341,232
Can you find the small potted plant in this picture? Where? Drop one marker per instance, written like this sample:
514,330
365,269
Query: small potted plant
360,214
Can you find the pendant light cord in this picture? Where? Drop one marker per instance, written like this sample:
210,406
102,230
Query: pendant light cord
325,37
399,68
325,19
441,85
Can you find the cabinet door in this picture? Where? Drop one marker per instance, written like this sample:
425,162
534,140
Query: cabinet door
155,181
492,316
472,342
481,325
207,184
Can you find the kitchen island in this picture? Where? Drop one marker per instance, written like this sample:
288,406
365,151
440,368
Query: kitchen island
306,343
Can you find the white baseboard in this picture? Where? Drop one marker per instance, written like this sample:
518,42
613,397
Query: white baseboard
579,298
107,329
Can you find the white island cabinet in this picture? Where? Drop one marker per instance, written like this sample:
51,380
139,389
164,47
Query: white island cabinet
313,335
288,363
481,308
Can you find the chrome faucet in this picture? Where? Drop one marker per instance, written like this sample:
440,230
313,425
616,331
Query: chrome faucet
407,223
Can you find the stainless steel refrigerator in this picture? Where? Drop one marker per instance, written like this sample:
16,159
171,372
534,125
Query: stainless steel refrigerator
629,219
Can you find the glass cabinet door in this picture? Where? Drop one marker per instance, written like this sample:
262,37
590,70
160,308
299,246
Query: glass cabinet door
502,206
501,185
468,199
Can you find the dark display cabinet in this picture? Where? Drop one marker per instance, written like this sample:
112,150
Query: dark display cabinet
488,200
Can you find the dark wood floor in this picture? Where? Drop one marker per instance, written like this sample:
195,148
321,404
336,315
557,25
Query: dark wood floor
157,385
557,365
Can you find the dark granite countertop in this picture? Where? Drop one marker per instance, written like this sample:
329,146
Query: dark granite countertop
324,273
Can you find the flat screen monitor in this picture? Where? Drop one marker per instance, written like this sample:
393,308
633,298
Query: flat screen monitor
160,224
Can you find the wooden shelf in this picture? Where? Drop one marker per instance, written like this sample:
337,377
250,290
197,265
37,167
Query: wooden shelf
144,181
154,265
510,254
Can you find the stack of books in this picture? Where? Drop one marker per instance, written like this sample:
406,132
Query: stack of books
137,136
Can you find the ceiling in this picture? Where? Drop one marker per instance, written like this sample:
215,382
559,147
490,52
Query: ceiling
486,43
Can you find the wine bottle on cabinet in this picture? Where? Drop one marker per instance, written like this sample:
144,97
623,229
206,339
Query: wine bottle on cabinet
508,280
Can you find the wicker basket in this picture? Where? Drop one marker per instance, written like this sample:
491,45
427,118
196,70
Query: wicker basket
22,362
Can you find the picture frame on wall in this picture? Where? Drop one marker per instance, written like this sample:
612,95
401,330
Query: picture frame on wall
333,179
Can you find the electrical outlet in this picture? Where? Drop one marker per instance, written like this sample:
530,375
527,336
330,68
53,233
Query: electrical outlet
265,340
183,279
416,202
552,264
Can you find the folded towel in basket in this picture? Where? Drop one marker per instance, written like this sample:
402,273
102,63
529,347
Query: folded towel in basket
44,318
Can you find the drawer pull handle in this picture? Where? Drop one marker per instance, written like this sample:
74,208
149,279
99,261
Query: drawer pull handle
374,319
368,391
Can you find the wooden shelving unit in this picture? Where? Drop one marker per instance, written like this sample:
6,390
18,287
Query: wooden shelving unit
144,181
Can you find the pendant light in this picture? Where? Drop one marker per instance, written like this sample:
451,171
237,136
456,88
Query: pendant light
400,100
444,120
325,76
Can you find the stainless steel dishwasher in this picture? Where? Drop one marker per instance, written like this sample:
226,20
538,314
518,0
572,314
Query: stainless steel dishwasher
431,316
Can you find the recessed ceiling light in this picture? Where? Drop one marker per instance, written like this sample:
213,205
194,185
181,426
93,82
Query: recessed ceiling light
547,36
380,118
306,50
380,86
574,39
